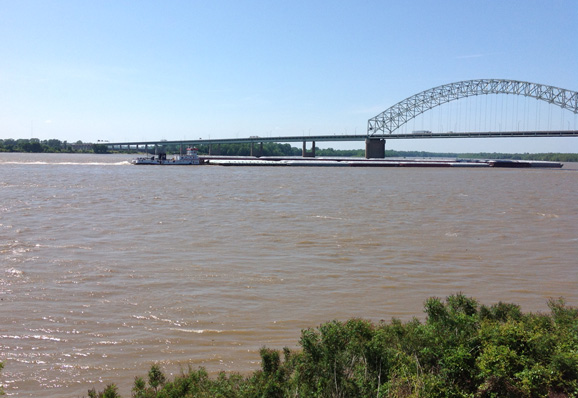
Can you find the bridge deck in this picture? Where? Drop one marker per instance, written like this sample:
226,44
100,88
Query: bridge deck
330,138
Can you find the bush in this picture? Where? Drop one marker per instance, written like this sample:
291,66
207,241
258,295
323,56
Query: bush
462,350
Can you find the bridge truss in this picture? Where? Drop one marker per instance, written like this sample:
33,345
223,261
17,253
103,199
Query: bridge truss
399,114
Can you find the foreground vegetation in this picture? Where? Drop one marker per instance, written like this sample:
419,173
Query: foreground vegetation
269,149
463,349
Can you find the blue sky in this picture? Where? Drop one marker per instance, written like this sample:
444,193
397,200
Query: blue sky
149,70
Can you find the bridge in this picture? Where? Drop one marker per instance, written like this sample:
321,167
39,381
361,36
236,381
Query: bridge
387,124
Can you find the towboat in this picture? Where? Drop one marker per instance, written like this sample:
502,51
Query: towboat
191,158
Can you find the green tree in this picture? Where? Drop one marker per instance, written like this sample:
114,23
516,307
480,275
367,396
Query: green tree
110,391
35,147
156,377
99,148
54,144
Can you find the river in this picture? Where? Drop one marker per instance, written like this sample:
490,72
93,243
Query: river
107,268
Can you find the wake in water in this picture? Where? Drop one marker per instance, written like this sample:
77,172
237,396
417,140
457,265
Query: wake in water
123,163
62,159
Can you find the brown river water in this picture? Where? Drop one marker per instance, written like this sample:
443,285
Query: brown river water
107,268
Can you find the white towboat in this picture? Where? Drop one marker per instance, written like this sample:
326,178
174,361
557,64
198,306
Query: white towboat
191,158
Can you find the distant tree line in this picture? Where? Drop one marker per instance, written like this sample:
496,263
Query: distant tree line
554,157
274,149
35,145
269,149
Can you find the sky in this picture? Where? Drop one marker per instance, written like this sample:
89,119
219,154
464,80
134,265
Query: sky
144,70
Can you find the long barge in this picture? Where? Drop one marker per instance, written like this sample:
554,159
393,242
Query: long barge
341,162
192,158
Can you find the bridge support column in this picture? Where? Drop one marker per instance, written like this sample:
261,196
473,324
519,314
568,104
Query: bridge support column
307,154
374,148
214,151
258,153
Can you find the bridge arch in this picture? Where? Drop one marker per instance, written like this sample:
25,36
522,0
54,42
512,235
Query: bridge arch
396,116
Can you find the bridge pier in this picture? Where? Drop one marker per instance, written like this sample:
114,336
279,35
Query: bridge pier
216,151
259,152
374,148
307,154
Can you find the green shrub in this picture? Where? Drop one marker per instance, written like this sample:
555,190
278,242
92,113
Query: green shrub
462,350
111,391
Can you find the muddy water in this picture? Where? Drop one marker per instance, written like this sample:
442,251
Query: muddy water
106,268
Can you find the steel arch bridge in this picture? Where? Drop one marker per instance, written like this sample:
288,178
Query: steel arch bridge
396,116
